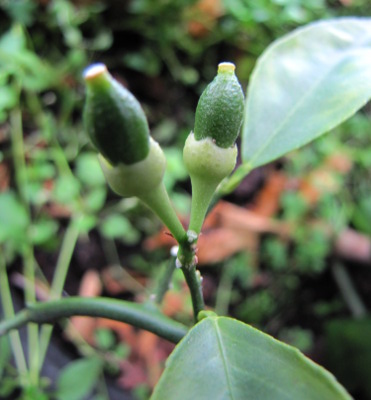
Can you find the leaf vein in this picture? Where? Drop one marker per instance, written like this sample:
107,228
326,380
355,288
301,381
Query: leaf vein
224,360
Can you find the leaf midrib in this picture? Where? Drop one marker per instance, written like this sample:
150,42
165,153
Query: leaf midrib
224,359
228,374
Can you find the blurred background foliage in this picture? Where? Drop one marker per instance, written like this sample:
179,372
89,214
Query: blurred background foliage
301,272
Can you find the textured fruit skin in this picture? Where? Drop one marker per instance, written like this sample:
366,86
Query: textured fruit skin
139,178
219,111
114,119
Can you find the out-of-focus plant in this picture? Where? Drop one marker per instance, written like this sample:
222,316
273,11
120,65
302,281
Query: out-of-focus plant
44,181
217,354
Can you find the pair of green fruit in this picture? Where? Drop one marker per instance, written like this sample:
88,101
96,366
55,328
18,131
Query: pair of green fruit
134,164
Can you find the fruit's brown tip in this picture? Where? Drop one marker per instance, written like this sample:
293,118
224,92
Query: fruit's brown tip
94,71
226,67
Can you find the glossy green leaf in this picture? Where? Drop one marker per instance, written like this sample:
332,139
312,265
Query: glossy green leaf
224,359
305,84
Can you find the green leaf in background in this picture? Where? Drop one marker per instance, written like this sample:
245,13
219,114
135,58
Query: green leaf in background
5,353
89,173
116,226
78,379
43,230
305,84
12,41
86,223
222,358
348,349
66,189
8,386
88,169
362,215
8,99
14,220
22,11
16,59
95,198
145,61
104,338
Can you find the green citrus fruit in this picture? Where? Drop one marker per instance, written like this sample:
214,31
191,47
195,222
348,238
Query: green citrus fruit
219,111
114,119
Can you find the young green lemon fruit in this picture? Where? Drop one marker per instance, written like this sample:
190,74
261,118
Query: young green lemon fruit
219,112
132,162
114,119
210,152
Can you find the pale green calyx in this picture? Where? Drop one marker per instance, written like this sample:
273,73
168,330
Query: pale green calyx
207,164
139,178
144,179
204,159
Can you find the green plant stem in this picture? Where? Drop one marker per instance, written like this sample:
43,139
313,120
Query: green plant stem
224,292
193,280
18,154
164,281
65,255
158,201
28,258
187,260
59,278
229,184
348,291
7,303
33,329
118,272
134,314
201,197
